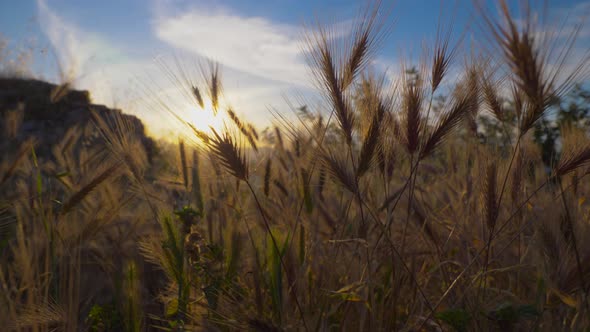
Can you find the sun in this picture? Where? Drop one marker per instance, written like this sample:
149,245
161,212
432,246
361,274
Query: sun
204,119
178,116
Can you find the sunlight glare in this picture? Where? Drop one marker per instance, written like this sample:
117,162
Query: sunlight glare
204,119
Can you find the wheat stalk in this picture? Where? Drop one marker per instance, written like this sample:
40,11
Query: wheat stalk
462,106
79,196
230,155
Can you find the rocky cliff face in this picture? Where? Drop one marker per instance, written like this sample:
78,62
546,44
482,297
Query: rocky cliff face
46,112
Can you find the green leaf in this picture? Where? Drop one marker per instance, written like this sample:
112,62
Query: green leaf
507,314
38,177
457,318
276,276
62,174
172,308
528,311
349,292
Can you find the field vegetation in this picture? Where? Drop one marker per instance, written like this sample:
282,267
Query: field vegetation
428,202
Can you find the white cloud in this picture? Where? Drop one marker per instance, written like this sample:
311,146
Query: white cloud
76,49
254,45
249,72
87,59
261,60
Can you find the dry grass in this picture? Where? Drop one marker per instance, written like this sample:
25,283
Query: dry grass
387,213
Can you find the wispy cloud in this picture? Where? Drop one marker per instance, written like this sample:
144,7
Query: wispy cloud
254,45
261,61
87,59
75,48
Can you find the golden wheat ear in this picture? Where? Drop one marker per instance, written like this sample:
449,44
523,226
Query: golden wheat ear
575,150
372,139
368,34
326,72
246,129
463,105
535,58
198,97
489,89
13,120
199,133
279,139
78,196
24,149
335,70
267,176
340,170
572,159
230,155
443,56
369,146
120,137
412,100
212,76
489,195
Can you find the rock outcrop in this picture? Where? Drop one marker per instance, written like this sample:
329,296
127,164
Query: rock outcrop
46,112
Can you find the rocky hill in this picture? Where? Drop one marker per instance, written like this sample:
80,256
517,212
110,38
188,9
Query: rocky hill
46,112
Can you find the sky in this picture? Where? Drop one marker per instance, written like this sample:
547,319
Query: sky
122,50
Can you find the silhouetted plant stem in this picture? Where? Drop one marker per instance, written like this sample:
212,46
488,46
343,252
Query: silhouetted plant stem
276,247
574,245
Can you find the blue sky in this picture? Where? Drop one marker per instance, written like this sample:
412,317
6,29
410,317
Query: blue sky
113,47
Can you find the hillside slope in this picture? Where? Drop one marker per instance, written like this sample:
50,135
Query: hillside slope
46,112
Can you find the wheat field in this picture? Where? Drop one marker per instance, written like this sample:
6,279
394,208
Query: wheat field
388,209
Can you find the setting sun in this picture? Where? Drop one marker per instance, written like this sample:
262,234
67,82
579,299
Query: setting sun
205,119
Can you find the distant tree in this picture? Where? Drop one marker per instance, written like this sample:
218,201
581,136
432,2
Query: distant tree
572,110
